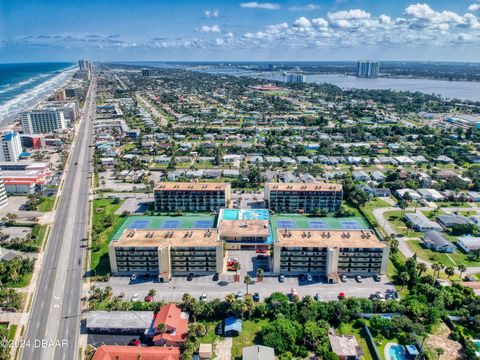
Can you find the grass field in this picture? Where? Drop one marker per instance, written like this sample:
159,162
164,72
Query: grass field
249,336
349,329
102,208
454,259
396,220
162,222
46,204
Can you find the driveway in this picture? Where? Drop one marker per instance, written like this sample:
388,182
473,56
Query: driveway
173,291
223,349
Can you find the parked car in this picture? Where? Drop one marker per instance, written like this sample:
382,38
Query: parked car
135,297
261,251
309,278
377,278
239,295
133,277
219,328
256,297
216,276
203,297
190,277
281,278
148,298
134,342
121,295
358,278
341,296
318,297
343,278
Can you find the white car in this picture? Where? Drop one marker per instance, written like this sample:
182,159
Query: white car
135,297
309,278
203,297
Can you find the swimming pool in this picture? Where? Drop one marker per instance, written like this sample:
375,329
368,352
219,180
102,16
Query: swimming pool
477,346
230,214
257,214
249,214
397,352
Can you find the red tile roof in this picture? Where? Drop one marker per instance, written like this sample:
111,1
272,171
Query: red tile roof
112,352
171,316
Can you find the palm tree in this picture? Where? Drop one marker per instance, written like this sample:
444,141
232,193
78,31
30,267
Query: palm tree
152,292
260,272
237,268
435,268
161,328
450,271
462,268
421,268
247,280
403,277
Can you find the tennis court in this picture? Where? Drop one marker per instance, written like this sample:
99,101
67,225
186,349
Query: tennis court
164,222
317,223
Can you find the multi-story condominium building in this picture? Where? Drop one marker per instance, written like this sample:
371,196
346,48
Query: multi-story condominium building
11,147
367,68
176,196
295,78
245,234
308,197
167,253
43,121
329,253
3,194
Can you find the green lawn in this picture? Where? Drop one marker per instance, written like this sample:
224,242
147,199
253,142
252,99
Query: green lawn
429,255
368,212
395,218
454,259
46,204
99,256
349,329
249,336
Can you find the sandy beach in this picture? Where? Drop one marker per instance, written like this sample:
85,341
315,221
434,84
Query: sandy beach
10,110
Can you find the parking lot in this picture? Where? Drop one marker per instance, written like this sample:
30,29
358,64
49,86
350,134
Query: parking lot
174,290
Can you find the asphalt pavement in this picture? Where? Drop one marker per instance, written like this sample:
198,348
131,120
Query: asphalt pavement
54,322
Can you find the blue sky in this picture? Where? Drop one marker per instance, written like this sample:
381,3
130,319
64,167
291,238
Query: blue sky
106,30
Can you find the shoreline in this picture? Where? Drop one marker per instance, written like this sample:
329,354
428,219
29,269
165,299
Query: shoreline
33,97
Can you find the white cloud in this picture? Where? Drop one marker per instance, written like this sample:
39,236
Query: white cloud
302,22
211,13
320,22
474,7
308,7
210,29
384,19
257,5
349,15
426,13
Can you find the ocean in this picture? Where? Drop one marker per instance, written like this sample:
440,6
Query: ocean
22,85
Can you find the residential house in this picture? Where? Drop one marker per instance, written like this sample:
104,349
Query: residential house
420,222
436,241
258,352
175,326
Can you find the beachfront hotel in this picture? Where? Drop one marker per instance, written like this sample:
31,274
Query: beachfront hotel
245,234
43,121
167,253
191,197
329,253
311,197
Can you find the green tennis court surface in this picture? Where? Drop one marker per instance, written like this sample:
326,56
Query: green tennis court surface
317,223
164,222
